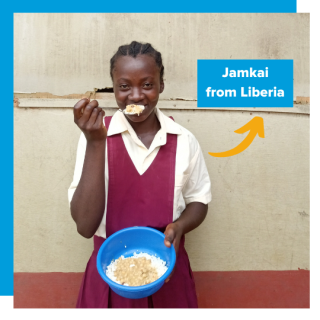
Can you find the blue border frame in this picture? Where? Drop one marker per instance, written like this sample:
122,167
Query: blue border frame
6,193
216,6
235,6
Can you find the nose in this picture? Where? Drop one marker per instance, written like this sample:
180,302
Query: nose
136,95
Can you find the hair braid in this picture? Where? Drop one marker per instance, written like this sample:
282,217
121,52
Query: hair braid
145,50
123,50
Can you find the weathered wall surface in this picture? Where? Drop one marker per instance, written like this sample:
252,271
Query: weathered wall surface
259,216
70,53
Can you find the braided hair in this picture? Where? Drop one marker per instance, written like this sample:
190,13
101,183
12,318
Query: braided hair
135,48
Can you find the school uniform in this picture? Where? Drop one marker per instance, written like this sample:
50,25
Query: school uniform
145,187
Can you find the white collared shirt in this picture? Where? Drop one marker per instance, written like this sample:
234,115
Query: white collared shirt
192,182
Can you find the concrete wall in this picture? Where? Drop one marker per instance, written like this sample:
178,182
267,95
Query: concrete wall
259,216
69,53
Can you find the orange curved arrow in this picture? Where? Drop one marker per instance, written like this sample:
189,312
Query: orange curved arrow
255,126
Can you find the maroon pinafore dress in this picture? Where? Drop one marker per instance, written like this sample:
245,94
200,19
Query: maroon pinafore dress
139,200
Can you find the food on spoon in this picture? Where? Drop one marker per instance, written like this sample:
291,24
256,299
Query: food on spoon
133,109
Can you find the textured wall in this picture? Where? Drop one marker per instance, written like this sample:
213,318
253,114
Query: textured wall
70,53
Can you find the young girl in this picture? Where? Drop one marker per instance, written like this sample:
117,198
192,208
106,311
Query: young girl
137,170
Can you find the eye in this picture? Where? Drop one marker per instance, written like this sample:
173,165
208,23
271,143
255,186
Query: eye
123,86
147,85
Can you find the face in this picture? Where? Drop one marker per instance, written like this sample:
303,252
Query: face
137,81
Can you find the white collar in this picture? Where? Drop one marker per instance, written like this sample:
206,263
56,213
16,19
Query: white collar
120,124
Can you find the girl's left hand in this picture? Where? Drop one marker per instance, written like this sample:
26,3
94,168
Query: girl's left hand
173,236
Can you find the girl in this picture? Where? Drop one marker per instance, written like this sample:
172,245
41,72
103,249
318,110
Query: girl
143,170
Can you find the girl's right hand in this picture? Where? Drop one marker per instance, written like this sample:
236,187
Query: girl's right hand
88,116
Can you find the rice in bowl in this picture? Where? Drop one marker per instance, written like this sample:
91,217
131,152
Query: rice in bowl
137,270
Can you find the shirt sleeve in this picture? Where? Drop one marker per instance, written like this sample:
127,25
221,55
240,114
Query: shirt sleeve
198,186
81,150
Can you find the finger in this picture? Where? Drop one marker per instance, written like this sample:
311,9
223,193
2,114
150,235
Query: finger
169,237
93,117
99,121
167,243
84,97
79,106
88,110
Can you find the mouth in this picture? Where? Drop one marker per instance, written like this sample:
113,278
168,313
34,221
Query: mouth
134,109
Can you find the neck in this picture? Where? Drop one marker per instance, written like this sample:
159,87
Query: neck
149,125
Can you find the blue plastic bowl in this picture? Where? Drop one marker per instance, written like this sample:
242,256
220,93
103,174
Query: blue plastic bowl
124,243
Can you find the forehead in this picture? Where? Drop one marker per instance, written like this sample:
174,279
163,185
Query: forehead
141,66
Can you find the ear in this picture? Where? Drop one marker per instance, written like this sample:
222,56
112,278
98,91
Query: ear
161,87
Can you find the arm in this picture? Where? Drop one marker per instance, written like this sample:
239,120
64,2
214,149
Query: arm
88,202
197,195
191,218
